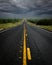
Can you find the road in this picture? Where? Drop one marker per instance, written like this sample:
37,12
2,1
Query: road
25,45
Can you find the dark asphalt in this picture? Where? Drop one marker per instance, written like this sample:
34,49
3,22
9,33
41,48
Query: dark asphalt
11,42
39,41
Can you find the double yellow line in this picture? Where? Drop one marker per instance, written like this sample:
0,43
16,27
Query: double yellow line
26,51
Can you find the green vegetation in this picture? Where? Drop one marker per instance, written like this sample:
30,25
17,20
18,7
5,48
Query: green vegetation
43,23
33,21
2,21
49,27
8,23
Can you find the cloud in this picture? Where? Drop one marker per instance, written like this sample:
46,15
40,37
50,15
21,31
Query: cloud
8,7
26,8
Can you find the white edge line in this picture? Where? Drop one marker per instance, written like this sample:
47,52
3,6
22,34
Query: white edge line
44,29
2,31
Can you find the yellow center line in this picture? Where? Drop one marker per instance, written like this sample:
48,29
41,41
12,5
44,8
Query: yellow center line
24,48
26,51
28,54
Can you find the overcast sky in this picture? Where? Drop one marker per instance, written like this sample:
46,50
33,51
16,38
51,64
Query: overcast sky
25,8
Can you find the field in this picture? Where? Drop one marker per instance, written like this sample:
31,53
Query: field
43,23
8,23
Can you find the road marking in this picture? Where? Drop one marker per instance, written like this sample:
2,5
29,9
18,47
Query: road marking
4,30
28,54
20,51
21,44
26,35
21,41
24,48
21,47
20,57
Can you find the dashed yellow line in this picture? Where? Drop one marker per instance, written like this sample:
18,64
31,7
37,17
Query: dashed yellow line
24,48
29,54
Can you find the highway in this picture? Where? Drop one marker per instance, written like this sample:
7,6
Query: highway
25,45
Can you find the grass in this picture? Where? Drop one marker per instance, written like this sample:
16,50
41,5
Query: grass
41,21
9,25
46,27
49,27
31,23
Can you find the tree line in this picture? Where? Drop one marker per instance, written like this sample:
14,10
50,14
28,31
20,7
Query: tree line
9,20
41,21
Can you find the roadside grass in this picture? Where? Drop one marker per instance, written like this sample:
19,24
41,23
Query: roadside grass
46,27
49,27
9,25
30,23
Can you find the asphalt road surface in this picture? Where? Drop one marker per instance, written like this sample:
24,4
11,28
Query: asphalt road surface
35,41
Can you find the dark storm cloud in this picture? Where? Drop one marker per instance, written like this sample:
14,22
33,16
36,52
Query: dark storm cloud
6,6
26,7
